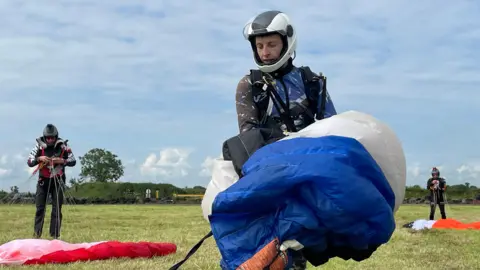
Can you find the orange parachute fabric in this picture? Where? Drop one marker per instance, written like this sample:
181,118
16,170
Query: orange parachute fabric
450,223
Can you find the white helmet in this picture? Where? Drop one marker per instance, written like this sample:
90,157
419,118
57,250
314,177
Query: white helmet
271,22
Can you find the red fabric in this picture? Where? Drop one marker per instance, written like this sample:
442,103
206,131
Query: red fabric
106,250
455,224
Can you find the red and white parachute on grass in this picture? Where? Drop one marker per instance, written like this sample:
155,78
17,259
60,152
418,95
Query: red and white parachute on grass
40,251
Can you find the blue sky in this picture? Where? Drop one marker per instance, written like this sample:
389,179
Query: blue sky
154,82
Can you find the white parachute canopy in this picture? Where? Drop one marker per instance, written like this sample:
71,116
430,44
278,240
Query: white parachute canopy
379,140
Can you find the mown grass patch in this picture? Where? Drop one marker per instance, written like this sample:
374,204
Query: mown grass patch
185,226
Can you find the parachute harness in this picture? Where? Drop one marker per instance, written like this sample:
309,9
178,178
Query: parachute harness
275,100
39,167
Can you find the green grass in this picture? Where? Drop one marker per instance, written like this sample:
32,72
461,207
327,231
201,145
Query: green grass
184,225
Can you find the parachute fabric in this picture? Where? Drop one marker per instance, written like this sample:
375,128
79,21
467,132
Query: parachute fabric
331,188
449,223
41,251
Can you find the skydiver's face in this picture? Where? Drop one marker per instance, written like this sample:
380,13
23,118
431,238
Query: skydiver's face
269,48
50,140
435,175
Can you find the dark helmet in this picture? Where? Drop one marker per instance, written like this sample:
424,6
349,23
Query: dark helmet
50,131
435,172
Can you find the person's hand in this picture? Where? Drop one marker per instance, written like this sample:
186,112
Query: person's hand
58,160
43,159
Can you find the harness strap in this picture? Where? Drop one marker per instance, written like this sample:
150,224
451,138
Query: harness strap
258,80
41,165
192,251
314,92
281,108
312,88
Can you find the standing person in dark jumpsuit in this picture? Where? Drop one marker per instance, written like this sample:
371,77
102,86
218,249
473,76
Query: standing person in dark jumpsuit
52,155
437,186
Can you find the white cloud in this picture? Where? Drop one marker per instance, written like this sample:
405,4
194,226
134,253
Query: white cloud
3,159
118,46
3,162
15,172
4,172
469,172
143,70
207,165
172,162
29,170
463,168
414,170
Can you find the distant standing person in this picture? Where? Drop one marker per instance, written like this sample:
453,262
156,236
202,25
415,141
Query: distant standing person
52,155
437,186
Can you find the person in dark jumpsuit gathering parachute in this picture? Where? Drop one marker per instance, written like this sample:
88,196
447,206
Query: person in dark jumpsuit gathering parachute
52,155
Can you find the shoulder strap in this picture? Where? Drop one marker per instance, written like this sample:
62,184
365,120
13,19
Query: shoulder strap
257,95
40,143
255,75
256,78
63,143
313,88
282,109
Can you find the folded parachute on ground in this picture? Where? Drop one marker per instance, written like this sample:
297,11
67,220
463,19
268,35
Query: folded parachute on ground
449,223
41,251
330,189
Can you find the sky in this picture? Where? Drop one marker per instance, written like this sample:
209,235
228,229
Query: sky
154,81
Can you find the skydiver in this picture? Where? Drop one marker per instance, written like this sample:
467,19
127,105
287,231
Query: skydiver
437,186
273,39
52,155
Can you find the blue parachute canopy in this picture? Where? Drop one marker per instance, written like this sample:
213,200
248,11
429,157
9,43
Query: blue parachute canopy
326,192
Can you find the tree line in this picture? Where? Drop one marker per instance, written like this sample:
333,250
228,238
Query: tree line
98,183
460,191
101,169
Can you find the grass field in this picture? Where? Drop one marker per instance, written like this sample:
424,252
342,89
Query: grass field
185,226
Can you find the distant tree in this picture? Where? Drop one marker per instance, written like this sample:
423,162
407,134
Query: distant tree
74,181
100,165
14,189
